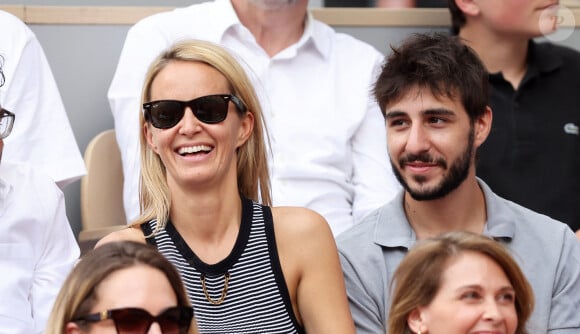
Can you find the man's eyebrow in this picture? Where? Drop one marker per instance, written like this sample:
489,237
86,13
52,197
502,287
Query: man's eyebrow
428,112
395,113
439,112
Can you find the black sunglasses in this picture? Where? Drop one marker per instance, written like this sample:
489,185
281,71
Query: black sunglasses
211,109
173,320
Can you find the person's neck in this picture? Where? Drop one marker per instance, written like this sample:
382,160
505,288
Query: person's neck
208,220
499,52
275,29
461,210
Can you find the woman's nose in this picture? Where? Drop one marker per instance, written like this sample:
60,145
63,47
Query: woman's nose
154,329
189,123
492,311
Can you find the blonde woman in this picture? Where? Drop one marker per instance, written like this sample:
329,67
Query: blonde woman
204,201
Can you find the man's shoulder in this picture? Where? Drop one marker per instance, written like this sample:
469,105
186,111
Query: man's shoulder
535,230
549,47
193,15
15,35
360,234
569,57
346,44
12,23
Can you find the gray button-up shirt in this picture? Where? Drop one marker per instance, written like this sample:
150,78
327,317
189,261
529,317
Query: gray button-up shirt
546,250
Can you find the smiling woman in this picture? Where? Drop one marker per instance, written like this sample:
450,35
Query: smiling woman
205,192
459,283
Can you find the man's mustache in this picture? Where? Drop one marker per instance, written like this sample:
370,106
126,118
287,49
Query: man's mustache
423,157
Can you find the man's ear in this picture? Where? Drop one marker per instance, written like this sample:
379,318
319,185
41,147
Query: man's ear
482,127
468,7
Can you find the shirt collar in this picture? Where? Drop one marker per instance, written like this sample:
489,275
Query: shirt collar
319,34
315,32
393,229
542,59
500,224
227,17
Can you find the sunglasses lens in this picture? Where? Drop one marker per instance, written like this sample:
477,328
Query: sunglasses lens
165,114
211,109
176,320
131,321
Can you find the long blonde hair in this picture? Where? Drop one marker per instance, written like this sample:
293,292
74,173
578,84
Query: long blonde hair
418,277
78,294
252,166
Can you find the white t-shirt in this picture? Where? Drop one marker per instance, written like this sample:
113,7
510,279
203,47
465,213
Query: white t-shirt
327,134
42,135
37,247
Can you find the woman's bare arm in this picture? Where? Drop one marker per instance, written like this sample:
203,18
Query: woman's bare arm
311,267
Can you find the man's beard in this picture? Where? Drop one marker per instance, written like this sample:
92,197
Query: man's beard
454,177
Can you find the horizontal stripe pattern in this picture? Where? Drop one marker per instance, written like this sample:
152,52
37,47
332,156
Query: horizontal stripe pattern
255,302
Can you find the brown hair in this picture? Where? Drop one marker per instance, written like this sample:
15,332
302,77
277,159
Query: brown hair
78,293
440,63
418,277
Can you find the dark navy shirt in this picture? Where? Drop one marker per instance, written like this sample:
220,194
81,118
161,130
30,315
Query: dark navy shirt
532,155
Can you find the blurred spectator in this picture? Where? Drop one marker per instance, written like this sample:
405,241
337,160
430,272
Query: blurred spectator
123,287
42,136
532,155
37,246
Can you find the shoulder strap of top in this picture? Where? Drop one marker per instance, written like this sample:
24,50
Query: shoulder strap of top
147,230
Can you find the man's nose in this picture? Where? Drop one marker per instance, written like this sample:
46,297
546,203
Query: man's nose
417,140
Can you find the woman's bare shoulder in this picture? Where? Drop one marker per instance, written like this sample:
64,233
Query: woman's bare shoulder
299,222
131,233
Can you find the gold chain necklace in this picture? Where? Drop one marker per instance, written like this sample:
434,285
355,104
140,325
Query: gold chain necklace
224,290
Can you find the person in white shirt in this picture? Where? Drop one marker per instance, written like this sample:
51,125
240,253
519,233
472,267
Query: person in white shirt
43,136
37,245
327,138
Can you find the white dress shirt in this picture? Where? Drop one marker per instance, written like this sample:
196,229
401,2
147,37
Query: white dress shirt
37,248
327,134
42,135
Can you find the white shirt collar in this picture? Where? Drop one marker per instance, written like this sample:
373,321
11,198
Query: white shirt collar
315,32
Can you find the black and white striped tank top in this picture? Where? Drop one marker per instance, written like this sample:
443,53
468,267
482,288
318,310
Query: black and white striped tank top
257,299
